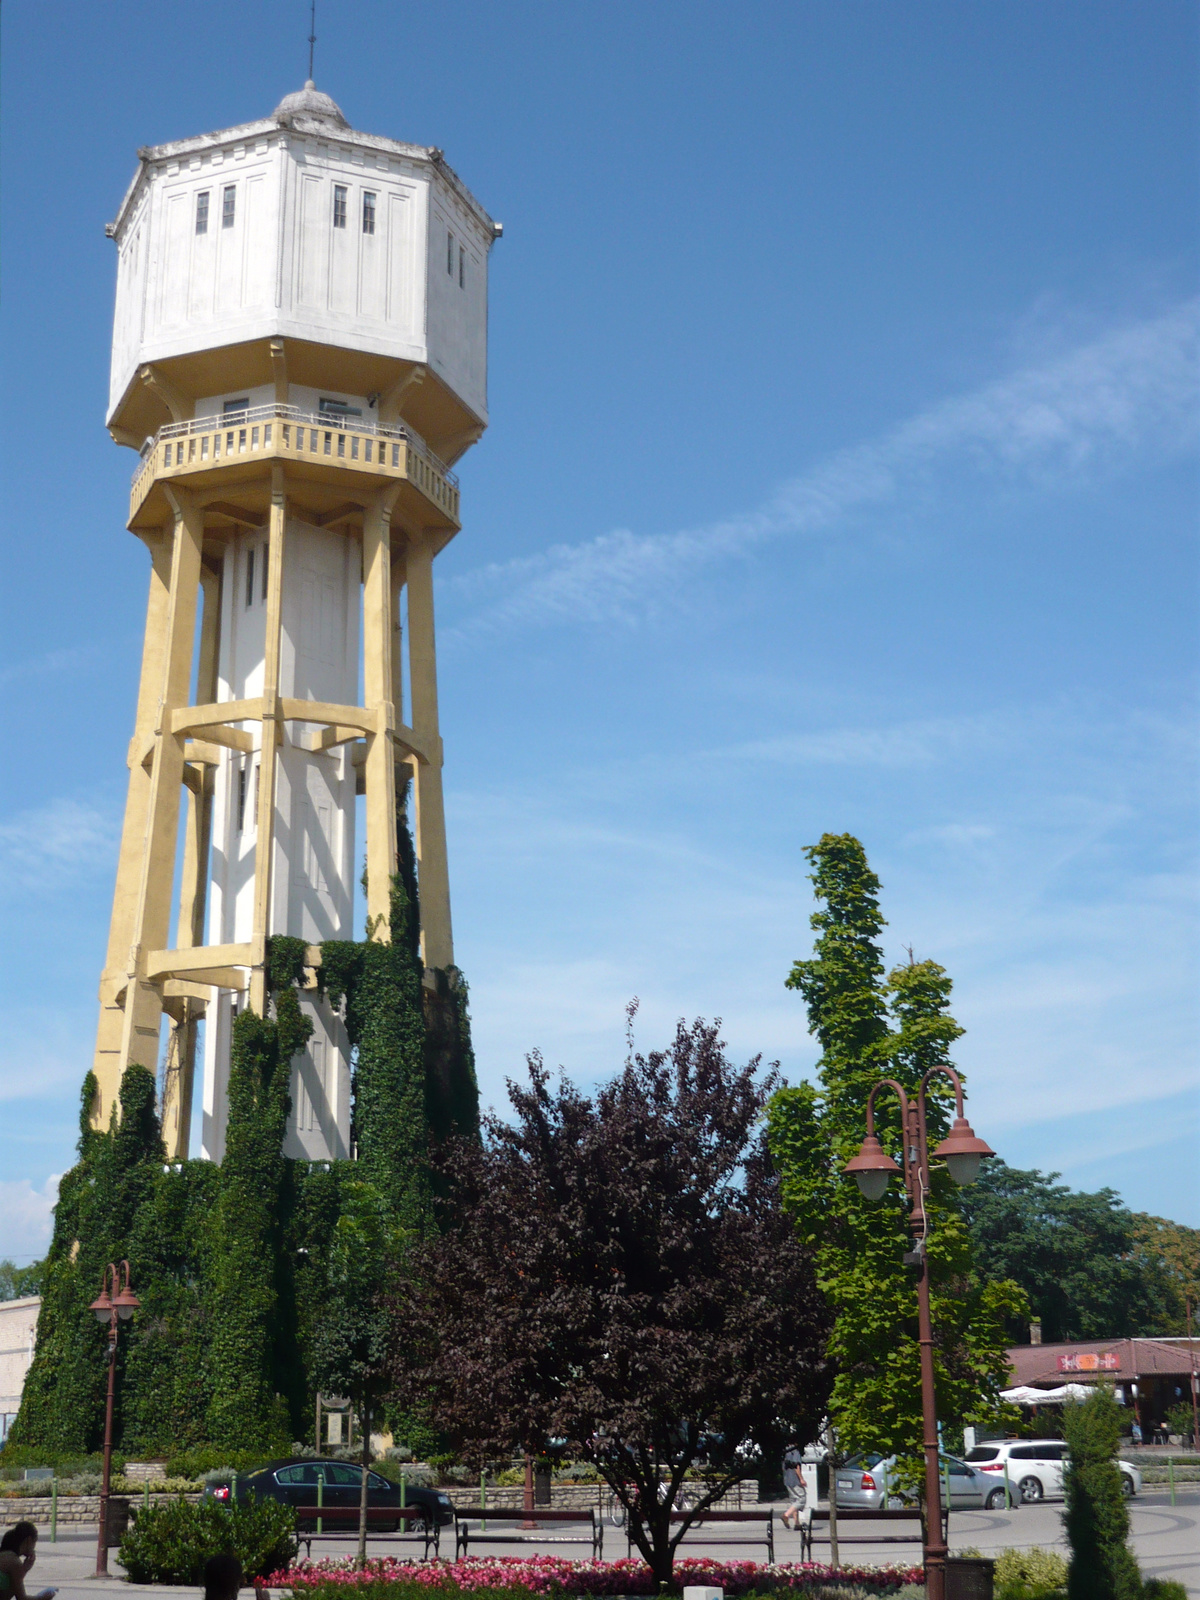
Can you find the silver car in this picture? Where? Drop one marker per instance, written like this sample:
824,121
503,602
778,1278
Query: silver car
866,1483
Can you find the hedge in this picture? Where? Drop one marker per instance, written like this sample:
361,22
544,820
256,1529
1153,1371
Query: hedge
171,1543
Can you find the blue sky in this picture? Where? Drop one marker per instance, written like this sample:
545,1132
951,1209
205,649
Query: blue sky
842,476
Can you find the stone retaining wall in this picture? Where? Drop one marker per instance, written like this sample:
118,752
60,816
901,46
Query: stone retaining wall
582,1496
72,1508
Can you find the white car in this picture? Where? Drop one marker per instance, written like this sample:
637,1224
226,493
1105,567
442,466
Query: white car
1035,1467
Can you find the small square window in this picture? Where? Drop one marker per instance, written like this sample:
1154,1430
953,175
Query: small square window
450,254
228,205
202,211
368,212
230,407
462,267
339,205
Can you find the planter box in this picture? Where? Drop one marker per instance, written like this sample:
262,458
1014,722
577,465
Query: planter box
970,1578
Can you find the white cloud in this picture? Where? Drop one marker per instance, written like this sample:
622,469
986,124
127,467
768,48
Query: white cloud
1075,418
56,845
26,1218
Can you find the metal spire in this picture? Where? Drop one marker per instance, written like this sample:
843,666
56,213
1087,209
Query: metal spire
312,38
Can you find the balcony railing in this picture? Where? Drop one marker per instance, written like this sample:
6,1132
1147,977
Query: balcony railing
205,442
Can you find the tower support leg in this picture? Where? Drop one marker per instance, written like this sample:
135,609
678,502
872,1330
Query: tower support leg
107,1064
142,1018
272,738
437,944
177,1087
378,691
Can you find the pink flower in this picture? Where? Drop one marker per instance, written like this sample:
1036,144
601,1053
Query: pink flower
544,1573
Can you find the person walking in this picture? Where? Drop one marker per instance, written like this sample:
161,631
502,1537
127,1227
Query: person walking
793,1481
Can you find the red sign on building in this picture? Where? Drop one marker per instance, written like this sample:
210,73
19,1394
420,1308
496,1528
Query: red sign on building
1109,1361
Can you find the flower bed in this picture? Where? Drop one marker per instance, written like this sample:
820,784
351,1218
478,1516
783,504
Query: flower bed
386,1579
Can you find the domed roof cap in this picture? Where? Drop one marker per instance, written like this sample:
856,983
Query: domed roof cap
310,102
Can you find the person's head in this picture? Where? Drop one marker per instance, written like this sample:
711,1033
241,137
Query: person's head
222,1577
21,1538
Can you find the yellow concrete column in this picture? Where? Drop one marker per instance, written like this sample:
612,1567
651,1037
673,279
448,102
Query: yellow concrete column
272,736
152,920
107,1063
398,577
177,1089
437,944
378,688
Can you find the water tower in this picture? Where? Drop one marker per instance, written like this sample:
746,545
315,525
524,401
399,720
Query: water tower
299,357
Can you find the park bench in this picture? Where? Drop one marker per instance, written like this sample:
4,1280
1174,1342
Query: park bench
530,1525
759,1527
817,1527
337,1521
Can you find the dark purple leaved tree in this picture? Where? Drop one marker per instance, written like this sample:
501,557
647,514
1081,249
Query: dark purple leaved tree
617,1271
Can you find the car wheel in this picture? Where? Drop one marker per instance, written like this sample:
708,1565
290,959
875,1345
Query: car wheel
998,1500
1127,1487
1031,1490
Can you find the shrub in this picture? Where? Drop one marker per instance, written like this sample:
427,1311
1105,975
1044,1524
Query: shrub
1030,1574
1181,1420
66,1463
197,1463
170,1543
1097,1519
1164,1589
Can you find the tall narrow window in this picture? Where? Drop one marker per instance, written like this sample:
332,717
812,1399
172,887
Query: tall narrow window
228,204
368,212
339,205
450,253
202,211
249,577
462,266
266,565
241,799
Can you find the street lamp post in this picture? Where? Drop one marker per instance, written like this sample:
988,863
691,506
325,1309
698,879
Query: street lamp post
872,1167
114,1308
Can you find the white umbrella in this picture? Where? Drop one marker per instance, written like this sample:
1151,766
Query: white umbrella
1024,1395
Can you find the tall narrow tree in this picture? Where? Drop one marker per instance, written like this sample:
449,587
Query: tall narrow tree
859,1244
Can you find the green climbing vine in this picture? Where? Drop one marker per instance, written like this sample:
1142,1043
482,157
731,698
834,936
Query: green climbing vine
231,1262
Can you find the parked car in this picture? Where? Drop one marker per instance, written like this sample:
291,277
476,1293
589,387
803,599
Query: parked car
1035,1467
293,1482
867,1483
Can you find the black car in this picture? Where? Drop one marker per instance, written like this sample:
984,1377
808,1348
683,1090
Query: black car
293,1481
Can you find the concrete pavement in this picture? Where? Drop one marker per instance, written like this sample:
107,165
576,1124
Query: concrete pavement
1165,1537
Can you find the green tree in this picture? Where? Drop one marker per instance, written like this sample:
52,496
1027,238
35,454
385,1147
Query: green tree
1096,1516
1076,1256
1168,1256
870,1026
17,1283
350,1344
